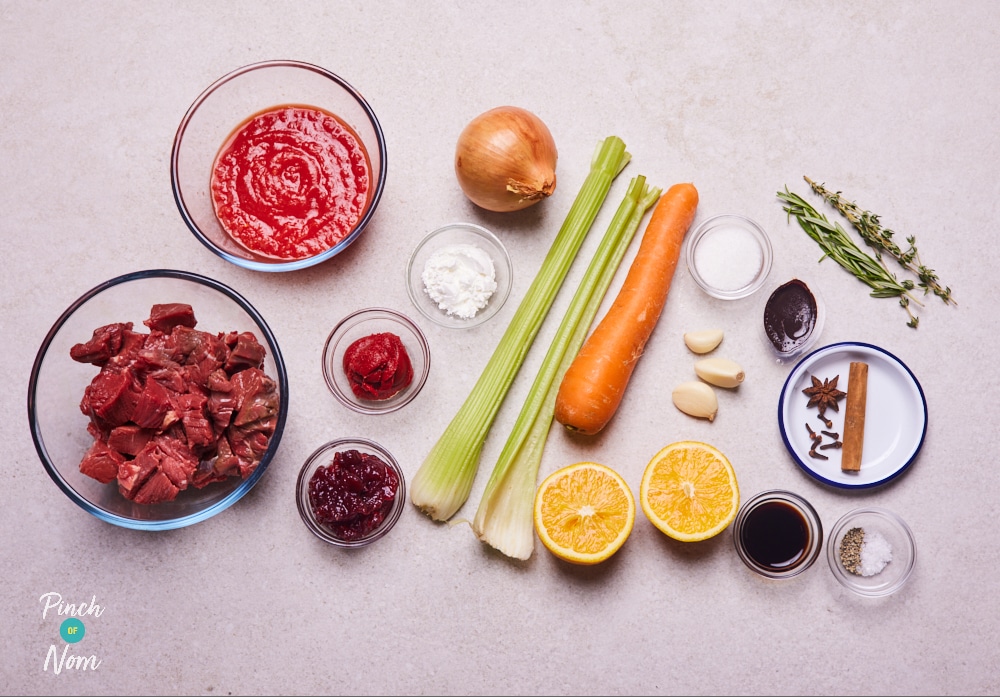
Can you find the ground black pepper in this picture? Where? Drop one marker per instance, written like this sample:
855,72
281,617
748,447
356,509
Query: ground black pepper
850,549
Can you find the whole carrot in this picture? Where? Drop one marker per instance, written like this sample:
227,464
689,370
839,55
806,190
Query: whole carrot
595,381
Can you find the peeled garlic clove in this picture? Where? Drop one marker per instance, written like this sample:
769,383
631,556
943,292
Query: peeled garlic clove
703,341
696,399
720,372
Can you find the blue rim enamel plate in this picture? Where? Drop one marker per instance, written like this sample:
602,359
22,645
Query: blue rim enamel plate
895,415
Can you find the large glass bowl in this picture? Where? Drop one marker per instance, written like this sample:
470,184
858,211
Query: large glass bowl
57,384
224,106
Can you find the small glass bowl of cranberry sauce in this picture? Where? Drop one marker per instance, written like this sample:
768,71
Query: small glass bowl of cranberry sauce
350,492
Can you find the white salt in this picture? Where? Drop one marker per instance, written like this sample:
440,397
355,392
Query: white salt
876,552
728,258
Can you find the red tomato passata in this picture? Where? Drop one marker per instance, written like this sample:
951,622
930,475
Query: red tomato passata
291,182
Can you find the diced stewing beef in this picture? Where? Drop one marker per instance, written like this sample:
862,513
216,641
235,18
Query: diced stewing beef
176,407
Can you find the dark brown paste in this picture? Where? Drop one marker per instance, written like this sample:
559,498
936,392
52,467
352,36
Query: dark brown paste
790,316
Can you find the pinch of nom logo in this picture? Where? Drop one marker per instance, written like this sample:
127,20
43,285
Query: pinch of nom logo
71,631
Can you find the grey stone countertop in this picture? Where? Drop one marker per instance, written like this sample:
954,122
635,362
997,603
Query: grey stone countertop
895,104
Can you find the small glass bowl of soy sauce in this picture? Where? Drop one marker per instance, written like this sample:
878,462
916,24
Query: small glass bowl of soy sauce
778,534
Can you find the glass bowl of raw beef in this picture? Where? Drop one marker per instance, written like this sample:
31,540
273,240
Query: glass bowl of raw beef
157,399
278,165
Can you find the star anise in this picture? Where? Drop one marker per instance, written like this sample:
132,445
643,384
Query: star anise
824,394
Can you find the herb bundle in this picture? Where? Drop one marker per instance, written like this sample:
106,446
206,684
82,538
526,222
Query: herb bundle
872,271
880,239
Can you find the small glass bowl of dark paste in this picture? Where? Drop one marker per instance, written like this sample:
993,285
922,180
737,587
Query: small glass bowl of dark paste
376,360
792,318
350,492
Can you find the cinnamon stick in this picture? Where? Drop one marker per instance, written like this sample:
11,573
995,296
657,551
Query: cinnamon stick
854,417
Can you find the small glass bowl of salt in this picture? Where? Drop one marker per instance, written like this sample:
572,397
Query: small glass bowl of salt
729,256
459,275
871,551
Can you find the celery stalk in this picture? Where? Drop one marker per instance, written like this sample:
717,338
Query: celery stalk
505,517
444,480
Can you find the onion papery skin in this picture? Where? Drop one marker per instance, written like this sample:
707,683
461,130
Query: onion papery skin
505,159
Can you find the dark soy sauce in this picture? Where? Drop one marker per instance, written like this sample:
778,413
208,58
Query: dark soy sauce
775,535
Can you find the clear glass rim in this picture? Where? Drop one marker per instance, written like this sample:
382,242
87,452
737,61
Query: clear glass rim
844,577
495,303
390,405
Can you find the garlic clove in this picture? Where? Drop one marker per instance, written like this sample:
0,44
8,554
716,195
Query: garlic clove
720,372
696,399
704,340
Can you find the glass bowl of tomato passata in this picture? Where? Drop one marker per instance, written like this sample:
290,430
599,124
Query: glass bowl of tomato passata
157,399
350,492
278,166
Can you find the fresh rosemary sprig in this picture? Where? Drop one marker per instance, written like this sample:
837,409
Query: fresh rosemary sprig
836,244
880,239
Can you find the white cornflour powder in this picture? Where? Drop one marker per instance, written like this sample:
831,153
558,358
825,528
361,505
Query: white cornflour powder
460,278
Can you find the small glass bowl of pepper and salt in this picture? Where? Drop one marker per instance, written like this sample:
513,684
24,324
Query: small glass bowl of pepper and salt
350,492
459,275
376,360
871,551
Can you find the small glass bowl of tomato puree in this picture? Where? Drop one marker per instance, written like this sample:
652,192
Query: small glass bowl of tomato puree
376,360
278,166
350,492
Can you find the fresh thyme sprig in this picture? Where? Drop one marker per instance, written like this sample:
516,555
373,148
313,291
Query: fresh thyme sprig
836,244
880,239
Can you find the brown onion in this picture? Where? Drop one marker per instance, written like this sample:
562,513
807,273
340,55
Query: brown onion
506,159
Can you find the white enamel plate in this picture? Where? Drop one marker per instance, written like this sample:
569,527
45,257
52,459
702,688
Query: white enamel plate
895,415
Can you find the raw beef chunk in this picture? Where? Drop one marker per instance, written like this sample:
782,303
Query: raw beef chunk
163,318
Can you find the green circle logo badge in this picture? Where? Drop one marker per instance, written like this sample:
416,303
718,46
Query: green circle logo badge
72,630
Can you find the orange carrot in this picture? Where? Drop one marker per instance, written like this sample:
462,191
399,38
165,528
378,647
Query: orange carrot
595,381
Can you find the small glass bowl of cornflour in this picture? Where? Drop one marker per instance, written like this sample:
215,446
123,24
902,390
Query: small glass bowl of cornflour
459,275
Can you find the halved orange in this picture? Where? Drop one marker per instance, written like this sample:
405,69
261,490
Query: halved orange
689,491
584,512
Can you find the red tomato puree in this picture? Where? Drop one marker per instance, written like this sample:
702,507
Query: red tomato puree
290,182
378,366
